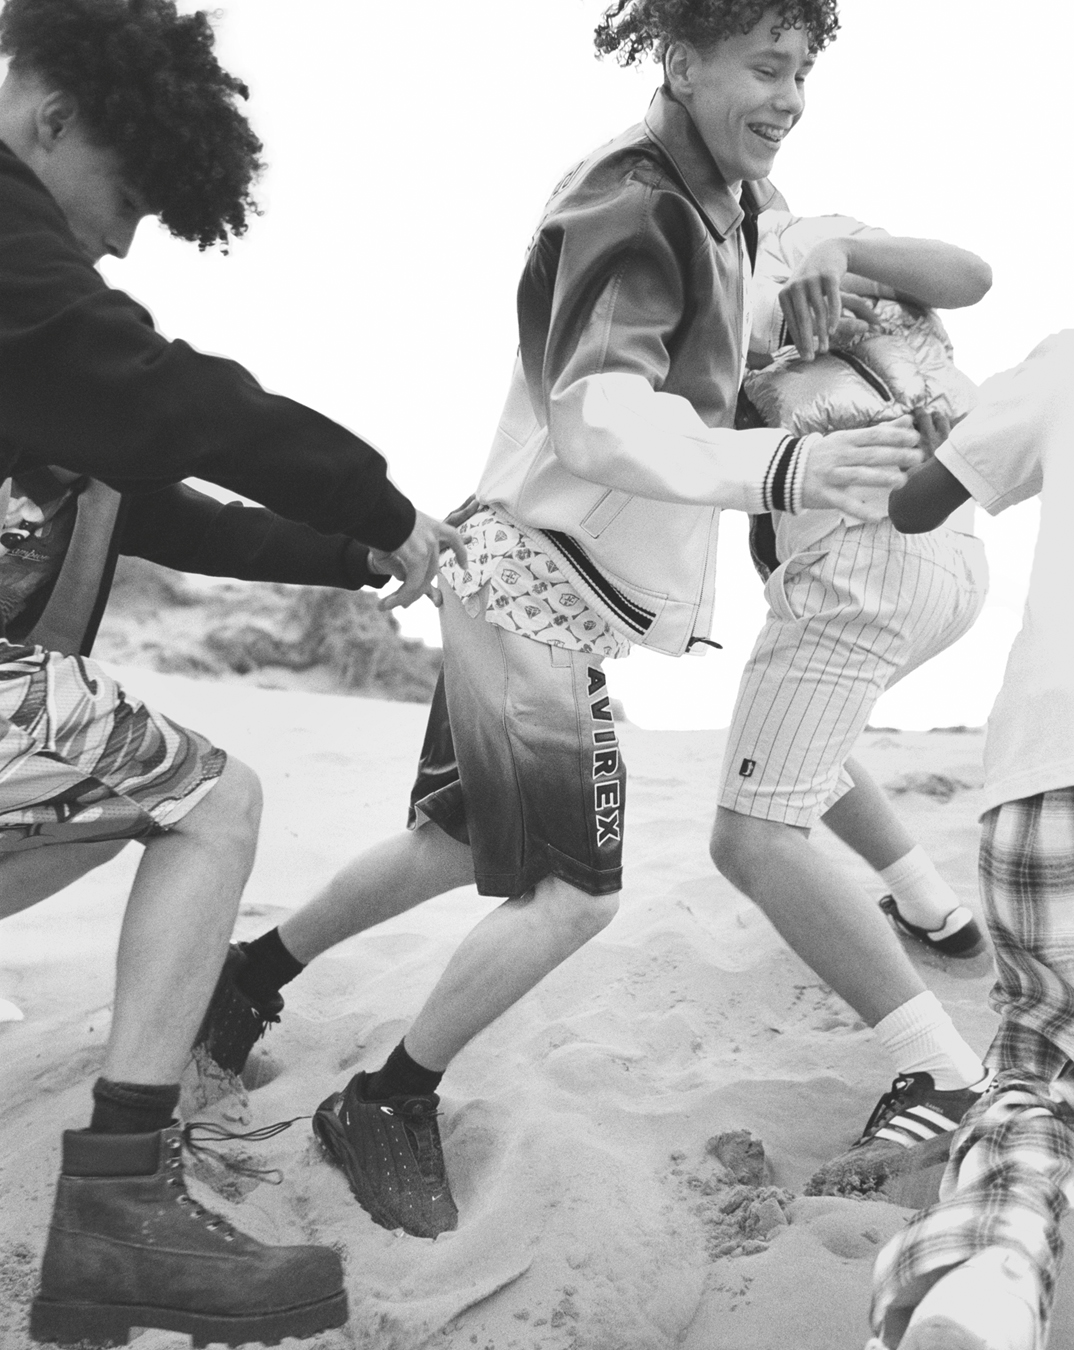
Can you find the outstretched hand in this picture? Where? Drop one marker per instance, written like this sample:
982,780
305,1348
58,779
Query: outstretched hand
417,561
853,471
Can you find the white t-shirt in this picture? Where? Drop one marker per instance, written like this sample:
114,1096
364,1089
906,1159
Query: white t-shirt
1017,442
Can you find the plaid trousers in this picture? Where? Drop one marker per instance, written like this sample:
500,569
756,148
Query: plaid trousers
1010,1176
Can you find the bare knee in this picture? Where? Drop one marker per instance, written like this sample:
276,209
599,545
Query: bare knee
232,810
741,846
574,911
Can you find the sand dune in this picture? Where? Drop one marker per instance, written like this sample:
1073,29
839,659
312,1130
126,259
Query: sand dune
592,1215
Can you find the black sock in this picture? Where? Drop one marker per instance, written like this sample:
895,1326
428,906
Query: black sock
269,966
401,1076
132,1108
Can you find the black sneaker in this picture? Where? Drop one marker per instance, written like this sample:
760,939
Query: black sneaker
910,1127
959,935
234,1023
390,1151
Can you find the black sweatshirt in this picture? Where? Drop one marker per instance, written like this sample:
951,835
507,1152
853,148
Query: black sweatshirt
88,384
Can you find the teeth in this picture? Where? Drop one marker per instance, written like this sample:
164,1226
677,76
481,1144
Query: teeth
769,133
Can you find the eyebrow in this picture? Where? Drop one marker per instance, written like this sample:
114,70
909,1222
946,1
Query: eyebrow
782,55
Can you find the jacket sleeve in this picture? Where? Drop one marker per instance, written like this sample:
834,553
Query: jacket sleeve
87,383
185,529
610,286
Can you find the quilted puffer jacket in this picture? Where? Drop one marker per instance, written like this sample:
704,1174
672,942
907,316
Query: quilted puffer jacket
904,365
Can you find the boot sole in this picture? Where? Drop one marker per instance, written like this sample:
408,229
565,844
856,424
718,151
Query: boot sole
103,1324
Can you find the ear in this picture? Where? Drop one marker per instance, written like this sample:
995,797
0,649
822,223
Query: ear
54,118
680,66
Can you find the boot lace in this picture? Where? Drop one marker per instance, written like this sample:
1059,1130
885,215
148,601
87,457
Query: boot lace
194,1136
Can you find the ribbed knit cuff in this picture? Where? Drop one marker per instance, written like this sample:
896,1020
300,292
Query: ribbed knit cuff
786,474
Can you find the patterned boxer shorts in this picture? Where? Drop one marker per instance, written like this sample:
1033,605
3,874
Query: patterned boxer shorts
82,761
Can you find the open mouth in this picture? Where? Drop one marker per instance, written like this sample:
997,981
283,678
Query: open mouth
771,135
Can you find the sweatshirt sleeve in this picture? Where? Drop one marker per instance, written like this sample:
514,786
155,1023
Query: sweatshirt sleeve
180,527
610,288
88,384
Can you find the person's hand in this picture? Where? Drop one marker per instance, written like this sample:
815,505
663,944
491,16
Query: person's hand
417,561
853,471
462,513
820,311
933,428
858,317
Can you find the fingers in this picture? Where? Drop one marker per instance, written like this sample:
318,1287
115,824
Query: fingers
833,303
452,539
799,321
898,433
860,307
462,513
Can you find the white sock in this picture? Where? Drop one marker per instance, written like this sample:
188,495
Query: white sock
991,1299
923,897
921,1038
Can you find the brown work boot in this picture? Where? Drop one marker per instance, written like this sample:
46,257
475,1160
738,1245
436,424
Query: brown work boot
129,1247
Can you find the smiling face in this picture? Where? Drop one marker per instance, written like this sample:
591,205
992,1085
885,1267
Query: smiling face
744,95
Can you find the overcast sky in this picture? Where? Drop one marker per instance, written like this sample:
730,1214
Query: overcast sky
410,151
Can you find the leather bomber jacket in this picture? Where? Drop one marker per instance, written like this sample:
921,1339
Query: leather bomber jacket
616,446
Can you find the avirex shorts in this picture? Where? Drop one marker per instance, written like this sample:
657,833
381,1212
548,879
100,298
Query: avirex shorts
82,761
846,620
521,760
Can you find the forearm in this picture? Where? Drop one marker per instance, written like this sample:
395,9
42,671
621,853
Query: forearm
927,498
184,529
616,430
936,274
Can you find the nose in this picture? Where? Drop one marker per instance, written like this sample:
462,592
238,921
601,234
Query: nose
119,238
791,97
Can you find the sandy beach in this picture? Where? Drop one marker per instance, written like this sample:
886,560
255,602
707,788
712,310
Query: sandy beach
593,1217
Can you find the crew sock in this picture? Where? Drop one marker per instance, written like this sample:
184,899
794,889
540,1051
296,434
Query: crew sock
269,966
922,895
401,1076
132,1108
921,1038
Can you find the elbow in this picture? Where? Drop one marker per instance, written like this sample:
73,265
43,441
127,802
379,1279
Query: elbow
979,281
974,283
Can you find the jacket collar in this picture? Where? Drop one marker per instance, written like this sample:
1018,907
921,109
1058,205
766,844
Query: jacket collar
672,128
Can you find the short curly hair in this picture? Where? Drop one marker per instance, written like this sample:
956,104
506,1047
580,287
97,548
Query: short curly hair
150,88
632,29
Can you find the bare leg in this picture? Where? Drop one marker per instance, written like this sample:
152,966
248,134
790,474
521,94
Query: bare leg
386,880
181,911
865,821
27,878
818,911
504,957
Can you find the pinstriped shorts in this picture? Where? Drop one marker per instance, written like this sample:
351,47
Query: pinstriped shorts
846,620
82,761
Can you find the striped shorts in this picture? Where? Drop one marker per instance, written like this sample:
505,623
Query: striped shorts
1011,1174
82,761
846,620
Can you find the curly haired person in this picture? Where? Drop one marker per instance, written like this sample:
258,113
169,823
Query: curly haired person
593,528
111,111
